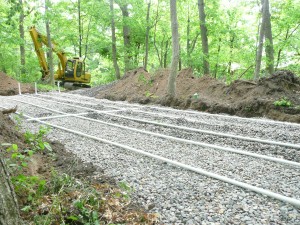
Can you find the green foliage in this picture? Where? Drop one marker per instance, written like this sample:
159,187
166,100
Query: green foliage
232,31
195,96
86,215
36,140
126,190
47,87
144,80
283,102
18,121
24,185
61,198
31,186
17,159
102,76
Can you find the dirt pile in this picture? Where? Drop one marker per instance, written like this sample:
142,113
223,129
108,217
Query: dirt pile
9,86
241,97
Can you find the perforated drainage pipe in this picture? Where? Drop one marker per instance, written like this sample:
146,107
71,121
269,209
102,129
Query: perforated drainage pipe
262,191
183,128
211,132
212,115
227,149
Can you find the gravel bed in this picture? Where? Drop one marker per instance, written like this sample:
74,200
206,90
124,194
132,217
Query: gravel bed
276,177
181,196
266,149
178,196
77,102
263,131
30,110
233,125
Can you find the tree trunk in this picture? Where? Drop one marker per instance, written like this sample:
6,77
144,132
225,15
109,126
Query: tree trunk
229,71
21,31
147,36
87,38
50,51
154,37
260,45
188,45
9,210
218,56
204,38
165,53
79,28
175,50
113,40
180,61
126,34
269,40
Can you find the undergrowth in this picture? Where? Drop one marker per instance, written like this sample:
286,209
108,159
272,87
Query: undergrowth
58,198
283,102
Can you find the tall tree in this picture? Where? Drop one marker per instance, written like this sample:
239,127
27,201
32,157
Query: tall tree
50,51
21,31
79,27
265,33
260,44
147,36
175,49
204,38
126,33
188,38
113,40
269,40
9,211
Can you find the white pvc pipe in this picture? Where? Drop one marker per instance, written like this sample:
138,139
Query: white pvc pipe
56,111
197,112
185,128
70,100
19,85
228,116
214,115
59,116
58,86
296,146
35,88
268,193
227,149
210,132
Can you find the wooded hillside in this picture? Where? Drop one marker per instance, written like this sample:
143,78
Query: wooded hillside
227,39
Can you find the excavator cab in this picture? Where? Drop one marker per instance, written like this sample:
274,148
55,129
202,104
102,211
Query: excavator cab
75,72
69,72
73,68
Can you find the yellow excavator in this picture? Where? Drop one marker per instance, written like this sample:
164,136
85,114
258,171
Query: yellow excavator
70,72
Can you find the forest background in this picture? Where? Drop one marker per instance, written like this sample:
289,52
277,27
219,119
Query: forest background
144,36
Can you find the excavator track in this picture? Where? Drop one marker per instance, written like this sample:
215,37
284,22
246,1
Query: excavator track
74,86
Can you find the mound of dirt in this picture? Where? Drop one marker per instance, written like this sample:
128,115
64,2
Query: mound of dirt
242,98
9,86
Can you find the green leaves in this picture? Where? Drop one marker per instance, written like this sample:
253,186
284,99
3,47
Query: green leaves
36,140
283,102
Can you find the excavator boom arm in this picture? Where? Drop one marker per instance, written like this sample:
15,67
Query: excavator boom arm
39,39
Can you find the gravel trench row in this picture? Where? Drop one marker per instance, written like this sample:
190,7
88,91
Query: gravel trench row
178,195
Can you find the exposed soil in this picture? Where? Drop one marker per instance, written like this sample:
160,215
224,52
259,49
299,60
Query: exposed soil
9,86
241,97
43,163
